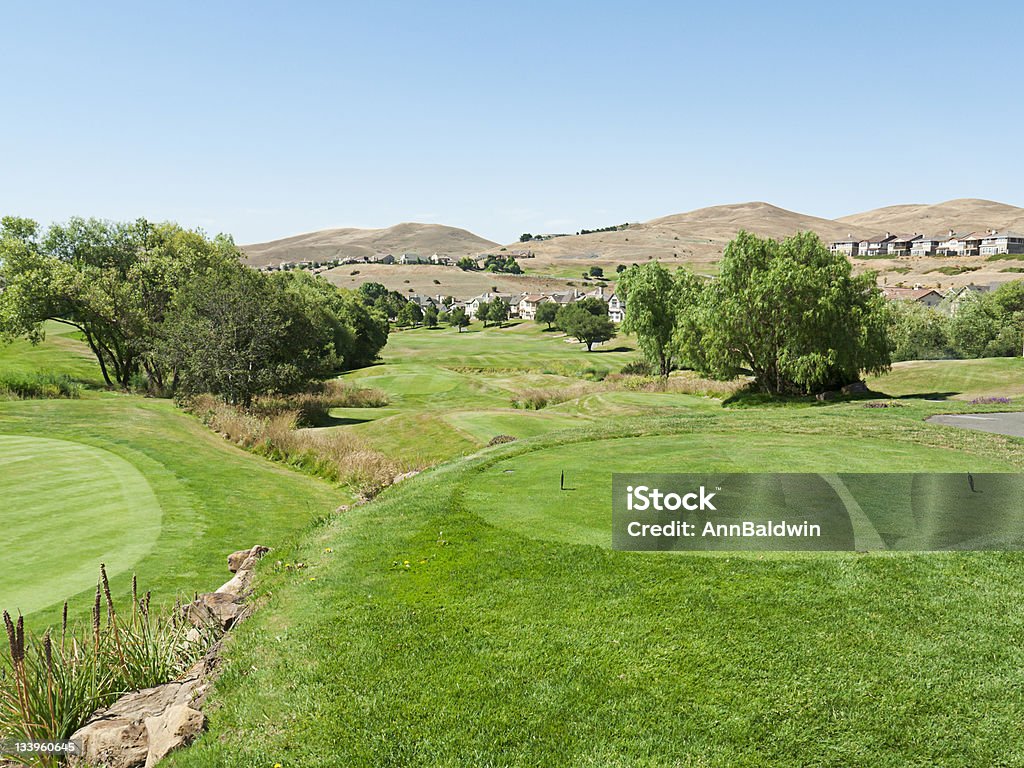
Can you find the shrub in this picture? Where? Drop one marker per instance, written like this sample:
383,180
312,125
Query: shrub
990,401
24,386
49,686
637,368
501,439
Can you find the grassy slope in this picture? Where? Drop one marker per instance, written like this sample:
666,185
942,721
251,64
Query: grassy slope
429,636
213,498
961,379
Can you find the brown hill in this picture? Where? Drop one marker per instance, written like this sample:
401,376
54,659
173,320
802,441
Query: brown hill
328,244
696,238
964,215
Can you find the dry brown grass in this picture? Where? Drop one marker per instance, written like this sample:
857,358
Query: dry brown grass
334,455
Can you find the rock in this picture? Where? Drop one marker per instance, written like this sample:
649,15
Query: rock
223,608
175,728
237,560
856,388
121,736
825,396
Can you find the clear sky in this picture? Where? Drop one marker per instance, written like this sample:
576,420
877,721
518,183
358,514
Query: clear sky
265,120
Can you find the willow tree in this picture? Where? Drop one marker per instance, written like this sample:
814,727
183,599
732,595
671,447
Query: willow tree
792,315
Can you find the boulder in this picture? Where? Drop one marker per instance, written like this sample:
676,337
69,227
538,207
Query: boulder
856,388
237,560
175,728
222,608
142,727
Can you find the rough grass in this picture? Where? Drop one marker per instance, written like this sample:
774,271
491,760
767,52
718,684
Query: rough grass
21,386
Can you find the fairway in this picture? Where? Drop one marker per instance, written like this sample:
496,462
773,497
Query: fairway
522,493
68,507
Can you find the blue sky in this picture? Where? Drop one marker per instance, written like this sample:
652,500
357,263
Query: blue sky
265,120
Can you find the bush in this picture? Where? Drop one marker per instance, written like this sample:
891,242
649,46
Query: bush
637,368
43,386
335,455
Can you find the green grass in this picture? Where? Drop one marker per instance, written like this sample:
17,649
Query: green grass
67,497
959,379
441,630
475,616
62,352
212,499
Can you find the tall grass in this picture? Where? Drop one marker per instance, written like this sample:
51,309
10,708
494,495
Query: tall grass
335,455
50,685
313,407
25,386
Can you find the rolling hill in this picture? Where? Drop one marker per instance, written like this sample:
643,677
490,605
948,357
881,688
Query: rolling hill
327,244
964,215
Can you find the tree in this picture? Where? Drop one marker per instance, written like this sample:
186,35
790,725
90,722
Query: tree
792,315
596,272
649,292
546,312
111,281
483,312
525,237
583,324
458,318
228,332
467,264
430,316
919,332
499,311
410,314
620,269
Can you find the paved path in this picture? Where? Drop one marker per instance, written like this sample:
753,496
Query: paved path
1000,423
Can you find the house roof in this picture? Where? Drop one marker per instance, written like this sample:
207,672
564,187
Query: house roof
908,294
1000,235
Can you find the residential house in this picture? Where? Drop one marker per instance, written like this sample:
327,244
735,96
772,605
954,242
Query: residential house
955,244
849,247
473,305
443,261
616,308
410,258
901,245
997,243
875,246
526,307
384,258
955,297
927,296
926,246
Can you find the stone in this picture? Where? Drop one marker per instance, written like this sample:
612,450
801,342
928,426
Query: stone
175,728
223,608
237,560
120,735
856,388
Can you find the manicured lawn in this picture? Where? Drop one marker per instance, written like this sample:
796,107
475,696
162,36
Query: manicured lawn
435,631
141,486
960,379
61,352
583,515
69,506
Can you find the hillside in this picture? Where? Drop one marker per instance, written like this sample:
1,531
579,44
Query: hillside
696,238
409,237
964,215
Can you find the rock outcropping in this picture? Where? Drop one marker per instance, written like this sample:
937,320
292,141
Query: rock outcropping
141,728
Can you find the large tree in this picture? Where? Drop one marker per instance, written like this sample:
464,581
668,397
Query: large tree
112,281
792,315
546,312
587,321
650,297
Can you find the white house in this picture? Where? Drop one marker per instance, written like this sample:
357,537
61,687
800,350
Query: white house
997,243
616,308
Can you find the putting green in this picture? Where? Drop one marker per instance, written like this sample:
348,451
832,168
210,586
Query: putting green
65,507
522,493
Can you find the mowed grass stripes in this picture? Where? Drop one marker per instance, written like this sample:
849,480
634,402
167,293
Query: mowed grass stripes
65,507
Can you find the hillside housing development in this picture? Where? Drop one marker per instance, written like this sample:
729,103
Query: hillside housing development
524,305
987,243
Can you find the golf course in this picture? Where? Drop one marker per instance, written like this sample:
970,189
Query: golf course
476,614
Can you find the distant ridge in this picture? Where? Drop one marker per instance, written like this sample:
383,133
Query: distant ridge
329,244
963,215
